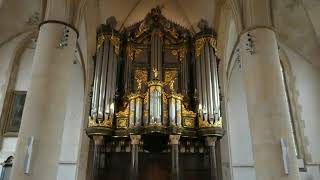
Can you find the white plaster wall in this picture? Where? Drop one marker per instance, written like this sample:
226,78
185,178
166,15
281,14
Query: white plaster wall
7,55
307,82
72,126
242,162
24,70
225,141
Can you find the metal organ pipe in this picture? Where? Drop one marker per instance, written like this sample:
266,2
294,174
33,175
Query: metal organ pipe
207,81
215,82
204,85
102,107
208,59
103,79
96,83
156,52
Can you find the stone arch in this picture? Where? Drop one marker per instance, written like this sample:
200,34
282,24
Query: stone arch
228,35
15,49
294,105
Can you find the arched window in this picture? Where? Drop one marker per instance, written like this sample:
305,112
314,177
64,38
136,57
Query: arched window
17,89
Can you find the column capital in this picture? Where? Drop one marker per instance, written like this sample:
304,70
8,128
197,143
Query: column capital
253,28
174,139
62,23
135,139
211,140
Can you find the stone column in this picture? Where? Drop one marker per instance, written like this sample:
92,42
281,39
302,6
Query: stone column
267,105
134,171
45,106
211,143
174,142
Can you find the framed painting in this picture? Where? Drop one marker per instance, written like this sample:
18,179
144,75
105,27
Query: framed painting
15,113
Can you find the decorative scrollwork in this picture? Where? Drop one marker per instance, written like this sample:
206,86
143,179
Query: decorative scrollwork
100,40
186,112
122,122
107,123
170,75
188,122
199,44
179,53
133,52
116,43
141,74
206,124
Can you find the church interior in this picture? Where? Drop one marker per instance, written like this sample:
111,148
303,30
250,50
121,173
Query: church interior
159,89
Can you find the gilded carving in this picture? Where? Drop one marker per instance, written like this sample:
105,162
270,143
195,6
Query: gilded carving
186,112
199,44
170,75
133,52
100,41
141,75
206,124
116,43
122,123
189,122
142,28
114,40
107,123
124,113
179,53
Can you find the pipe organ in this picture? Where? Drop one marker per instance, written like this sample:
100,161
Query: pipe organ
155,85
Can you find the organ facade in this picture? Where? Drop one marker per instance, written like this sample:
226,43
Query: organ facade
155,97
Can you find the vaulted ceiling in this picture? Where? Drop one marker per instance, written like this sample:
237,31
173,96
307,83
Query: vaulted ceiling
296,21
298,25
184,12
17,16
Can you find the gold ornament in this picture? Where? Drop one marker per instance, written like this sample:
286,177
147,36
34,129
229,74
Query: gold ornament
133,52
106,123
199,44
179,53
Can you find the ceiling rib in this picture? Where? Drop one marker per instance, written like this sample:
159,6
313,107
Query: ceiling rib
185,15
130,12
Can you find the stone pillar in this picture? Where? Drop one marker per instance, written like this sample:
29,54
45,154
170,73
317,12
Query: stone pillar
134,171
45,107
97,152
211,143
174,142
267,105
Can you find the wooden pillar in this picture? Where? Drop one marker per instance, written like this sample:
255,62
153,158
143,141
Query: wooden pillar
211,143
134,170
174,142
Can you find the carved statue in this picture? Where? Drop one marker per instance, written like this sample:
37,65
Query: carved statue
139,81
111,22
203,25
171,84
156,73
